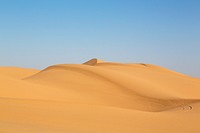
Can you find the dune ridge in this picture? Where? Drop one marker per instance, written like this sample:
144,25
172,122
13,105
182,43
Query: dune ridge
93,62
75,96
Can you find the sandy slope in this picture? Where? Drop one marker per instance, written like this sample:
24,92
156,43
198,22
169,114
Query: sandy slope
98,97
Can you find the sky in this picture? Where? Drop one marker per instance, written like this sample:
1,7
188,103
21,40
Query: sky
40,33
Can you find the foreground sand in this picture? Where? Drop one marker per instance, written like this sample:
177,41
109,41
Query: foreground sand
98,97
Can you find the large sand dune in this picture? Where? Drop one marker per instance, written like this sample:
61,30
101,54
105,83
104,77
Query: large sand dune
98,97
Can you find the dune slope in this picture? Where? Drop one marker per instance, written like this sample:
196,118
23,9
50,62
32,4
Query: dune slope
98,96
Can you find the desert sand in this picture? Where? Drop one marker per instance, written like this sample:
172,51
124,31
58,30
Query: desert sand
98,97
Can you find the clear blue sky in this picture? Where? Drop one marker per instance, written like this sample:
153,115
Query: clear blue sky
39,33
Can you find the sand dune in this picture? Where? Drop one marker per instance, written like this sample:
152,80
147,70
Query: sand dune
100,97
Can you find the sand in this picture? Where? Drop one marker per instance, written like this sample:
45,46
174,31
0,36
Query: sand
98,97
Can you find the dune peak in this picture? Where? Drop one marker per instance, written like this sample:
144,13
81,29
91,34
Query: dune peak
93,62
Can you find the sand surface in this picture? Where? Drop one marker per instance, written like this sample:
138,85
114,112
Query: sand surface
98,97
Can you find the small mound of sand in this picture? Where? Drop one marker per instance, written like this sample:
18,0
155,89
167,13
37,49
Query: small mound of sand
93,62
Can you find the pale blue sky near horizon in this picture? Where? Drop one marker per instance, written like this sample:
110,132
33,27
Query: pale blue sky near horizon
39,33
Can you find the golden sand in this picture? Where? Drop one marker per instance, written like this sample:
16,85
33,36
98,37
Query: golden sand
98,97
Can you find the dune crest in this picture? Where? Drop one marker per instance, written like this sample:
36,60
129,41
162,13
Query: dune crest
93,62
98,96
